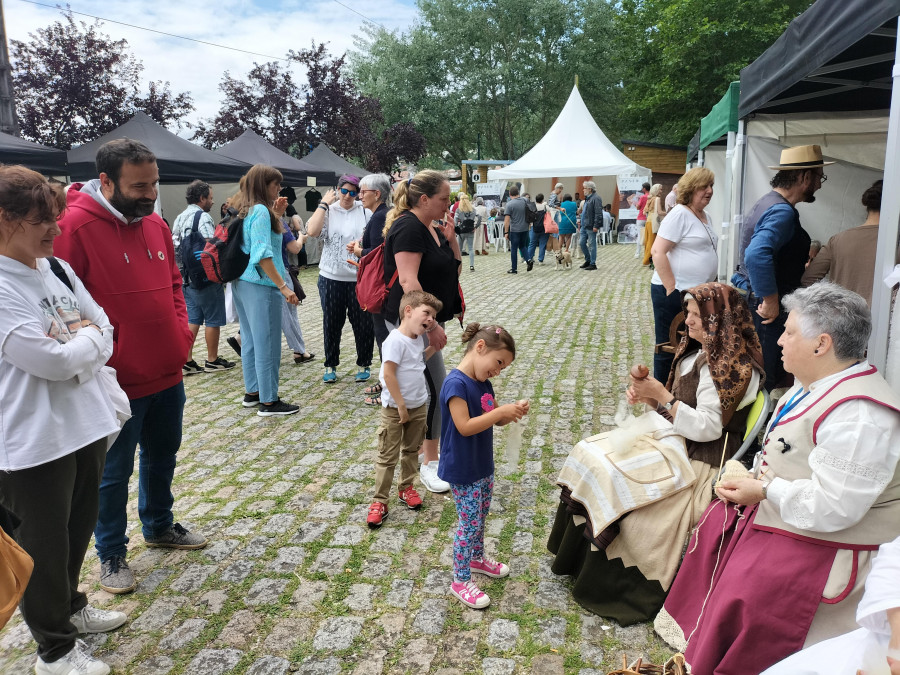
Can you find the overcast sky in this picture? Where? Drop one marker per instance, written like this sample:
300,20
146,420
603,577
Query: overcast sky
265,26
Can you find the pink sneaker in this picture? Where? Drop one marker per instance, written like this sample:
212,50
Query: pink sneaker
491,568
469,594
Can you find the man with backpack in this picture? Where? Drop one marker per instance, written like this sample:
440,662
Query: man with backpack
205,299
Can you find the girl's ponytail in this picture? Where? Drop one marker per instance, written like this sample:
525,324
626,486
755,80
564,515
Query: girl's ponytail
495,337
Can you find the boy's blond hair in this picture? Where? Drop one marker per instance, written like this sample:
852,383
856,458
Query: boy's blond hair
415,299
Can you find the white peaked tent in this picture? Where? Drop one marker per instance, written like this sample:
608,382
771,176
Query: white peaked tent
573,146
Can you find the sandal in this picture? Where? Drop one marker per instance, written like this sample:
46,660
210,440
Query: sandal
374,389
300,358
372,400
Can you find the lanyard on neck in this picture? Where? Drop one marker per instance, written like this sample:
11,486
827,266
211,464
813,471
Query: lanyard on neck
790,405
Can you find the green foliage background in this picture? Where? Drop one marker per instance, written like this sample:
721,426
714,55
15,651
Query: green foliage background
494,74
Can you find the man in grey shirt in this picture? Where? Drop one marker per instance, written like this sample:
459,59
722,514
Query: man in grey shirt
515,227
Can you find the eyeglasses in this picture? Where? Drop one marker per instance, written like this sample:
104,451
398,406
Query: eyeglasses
823,178
352,193
361,192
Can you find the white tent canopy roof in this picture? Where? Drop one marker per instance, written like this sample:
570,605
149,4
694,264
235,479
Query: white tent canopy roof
573,146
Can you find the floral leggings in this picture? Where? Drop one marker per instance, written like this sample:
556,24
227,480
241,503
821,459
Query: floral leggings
473,501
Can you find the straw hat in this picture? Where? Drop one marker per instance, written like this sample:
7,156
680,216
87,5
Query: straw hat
801,157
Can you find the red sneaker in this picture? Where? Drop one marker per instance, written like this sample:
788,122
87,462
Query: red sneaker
377,513
411,498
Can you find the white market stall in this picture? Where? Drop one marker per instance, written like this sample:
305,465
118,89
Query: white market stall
572,150
830,80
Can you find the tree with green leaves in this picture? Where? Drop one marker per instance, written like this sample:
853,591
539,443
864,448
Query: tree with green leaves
492,74
73,84
678,57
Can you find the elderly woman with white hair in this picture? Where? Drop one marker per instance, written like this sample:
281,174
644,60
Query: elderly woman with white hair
555,198
375,195
481,242
779,563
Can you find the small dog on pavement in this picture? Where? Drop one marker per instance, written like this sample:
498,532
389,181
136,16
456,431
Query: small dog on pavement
563,260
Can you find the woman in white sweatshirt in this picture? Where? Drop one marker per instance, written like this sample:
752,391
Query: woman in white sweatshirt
56,417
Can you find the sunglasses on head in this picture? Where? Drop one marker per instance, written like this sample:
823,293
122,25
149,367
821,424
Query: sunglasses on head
352,193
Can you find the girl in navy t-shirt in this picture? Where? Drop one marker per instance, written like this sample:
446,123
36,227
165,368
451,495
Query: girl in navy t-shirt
468,416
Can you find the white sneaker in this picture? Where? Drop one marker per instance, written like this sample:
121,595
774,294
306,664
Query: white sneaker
93,620
429,477
76,662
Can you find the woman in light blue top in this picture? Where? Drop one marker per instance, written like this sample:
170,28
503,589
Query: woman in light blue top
261,289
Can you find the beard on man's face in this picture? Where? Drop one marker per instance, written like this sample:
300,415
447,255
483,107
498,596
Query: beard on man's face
128,207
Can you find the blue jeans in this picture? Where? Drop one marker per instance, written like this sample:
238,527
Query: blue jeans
467,242
538,241
588,242
518,244
156,424
259,310
665,309
768,339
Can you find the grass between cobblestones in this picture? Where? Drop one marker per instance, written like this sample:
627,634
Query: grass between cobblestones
294,581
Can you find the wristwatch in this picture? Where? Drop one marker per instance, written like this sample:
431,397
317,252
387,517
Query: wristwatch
668,406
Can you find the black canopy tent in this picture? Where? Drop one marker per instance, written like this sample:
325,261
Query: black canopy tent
839,58
323,157
835,56
179,160
252,148
37,157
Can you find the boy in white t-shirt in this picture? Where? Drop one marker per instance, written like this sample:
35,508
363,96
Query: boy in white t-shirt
404,400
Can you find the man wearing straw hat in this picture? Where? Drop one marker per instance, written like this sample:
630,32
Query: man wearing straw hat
775,248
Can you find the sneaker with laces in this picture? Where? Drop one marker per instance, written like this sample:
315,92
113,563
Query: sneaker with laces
77,662
191,368
377,513
469,594
428,476
363,374
218,365
277,408
178,537
491,568
115,576
330,376
92,620
411,498
251,400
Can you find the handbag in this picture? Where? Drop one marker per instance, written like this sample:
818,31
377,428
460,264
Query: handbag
293,271
15,571
550,224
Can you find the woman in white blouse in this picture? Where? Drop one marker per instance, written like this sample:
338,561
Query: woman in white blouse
56,417
792,545
684,255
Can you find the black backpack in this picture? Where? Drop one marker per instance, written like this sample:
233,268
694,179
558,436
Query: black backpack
466,225
192,244
532,215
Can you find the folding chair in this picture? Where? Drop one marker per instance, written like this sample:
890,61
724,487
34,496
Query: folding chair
756,420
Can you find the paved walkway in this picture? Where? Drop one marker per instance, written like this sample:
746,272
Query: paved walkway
294,581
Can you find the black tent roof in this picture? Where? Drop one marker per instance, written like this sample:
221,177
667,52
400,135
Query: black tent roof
323,157
37,157
252,148
179,160
834,56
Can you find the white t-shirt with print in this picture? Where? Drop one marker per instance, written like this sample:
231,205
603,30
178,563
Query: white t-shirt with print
693,258
341,227
409,355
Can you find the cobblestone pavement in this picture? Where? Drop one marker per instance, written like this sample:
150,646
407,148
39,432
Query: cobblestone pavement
294,581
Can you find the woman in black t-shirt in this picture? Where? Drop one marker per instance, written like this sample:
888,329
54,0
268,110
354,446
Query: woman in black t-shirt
427,258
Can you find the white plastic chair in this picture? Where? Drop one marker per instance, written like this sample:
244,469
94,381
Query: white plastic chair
499,238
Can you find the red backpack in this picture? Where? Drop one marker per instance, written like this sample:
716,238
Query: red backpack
371,291
222,258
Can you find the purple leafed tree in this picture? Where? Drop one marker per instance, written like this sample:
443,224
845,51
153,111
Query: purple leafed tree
73,83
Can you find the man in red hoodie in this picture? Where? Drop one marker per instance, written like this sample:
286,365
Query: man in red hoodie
123,253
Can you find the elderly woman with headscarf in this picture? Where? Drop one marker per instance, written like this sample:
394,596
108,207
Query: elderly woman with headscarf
375,195
780,560
623,570
340,220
